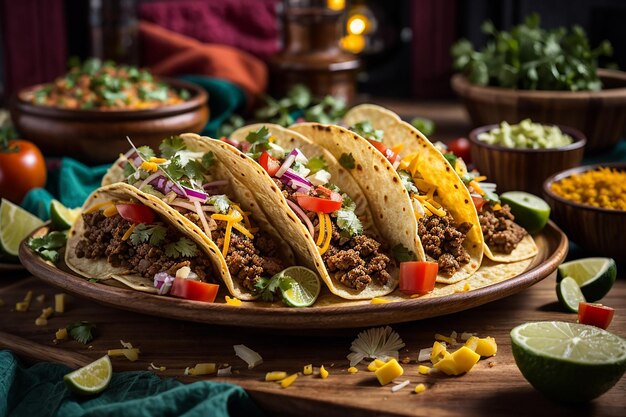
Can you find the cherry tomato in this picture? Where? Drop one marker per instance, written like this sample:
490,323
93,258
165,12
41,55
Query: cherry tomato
595,315
136,213
22,168
269,164
479,202
418,277
461,148
194,290
382,148
318,204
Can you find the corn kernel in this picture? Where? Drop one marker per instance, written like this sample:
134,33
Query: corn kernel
353,370
447,365
308,369
288,381
233,301
486,346
323,372
275,376
420,388
375,364
437,352
423,369
377,300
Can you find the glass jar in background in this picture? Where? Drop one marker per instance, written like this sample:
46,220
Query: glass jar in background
114,30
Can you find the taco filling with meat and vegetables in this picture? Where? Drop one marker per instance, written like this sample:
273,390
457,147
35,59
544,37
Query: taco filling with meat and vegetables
190,180
304,176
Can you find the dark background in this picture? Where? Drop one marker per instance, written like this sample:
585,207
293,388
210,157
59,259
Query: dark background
37,37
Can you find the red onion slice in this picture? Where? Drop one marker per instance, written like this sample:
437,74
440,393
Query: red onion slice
303,216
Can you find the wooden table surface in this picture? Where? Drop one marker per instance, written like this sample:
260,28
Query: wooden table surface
493,387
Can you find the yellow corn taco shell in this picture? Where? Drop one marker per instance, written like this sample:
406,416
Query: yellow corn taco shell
285,220
388,199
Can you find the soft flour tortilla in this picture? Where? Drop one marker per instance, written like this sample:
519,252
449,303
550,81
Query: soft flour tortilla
388,199
100,269
281,215
396,132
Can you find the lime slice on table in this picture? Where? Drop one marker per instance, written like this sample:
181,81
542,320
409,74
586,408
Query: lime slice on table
304,289
595,276
569,294
92,378
62,217
15,224
530,211
568,362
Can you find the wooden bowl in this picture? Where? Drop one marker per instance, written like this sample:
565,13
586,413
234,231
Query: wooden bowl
600,115
97,136
524,169
600,231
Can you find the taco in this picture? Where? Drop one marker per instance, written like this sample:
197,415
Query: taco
417,194
319,208
201,193
505,241
125,236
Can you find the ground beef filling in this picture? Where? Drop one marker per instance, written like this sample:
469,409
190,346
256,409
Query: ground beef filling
103,239
443,240
249,260
501,233
356,261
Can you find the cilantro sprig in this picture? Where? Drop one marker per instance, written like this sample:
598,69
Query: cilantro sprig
81,331
269,288
48,246
347,160
183,247
366,130
407,181
153,233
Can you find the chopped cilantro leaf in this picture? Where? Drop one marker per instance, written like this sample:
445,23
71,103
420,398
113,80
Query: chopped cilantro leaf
208,160
171,145
268,287
81,331
145,152
259,140
451,158
183,247
154,233
349,223
348,203
221,202
194,171
174,169
424,125
402,254
466,178
347,160
184,94
366,130
47,247
316,164
491,197
407,181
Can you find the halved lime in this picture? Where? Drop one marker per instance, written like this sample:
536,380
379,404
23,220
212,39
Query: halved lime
595,276
569,294
92,378
15,224
304,289
530,211
568,362
62,217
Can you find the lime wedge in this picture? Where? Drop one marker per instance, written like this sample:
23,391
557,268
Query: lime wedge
569,294
568,362
92,378
595,276
62,217
304,289
530,211
15,224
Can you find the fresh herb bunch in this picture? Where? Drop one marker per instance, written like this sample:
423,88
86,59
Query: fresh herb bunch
531,58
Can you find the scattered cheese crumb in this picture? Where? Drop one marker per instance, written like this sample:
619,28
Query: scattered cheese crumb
467,287
59,303
400,386
323,372
225,371
423,369
61,334
248,355
352,370
424,354
201,369
23,306
375,364
486,346
236,302
41,298
130,354
377,300
126,345
308,369
156,368
453,335
389,371
288,381
275,376
443,338
465,335
420,388
42,320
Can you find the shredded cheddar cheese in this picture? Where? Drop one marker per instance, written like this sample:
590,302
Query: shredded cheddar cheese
308,369
329,235
323,372
149,166
352,370
110,211
157,160
321,223
420,388
377,300
233,301
398,148
59,303
232,219
275,376
423,369
129,231
288,381
98,206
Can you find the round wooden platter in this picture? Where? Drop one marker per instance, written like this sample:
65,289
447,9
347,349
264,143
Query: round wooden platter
328,312
11,267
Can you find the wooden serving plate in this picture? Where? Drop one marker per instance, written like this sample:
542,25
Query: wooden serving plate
97,136
328,312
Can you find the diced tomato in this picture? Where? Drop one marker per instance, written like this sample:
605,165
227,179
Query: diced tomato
389,154
194,290
461,148
269,164
333,195
595,315
318,204
418,277
479,202
136,213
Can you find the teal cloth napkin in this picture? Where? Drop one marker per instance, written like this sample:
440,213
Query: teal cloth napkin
39,390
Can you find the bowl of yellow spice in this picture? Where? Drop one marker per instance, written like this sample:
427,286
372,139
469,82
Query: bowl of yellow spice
589,204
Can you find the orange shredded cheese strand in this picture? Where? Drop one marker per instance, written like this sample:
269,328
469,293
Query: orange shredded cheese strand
480,178
245,215
110,211
149,166
98,206
496,207
243,230
434,210
329,234
157,160
398,148
320,236
129,231
476,187
229,228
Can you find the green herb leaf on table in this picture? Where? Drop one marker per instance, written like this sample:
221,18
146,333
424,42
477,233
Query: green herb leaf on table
347,161
402,254
81,331
47,247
